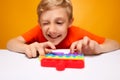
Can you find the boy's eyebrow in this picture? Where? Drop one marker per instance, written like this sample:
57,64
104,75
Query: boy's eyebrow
43,20
60,18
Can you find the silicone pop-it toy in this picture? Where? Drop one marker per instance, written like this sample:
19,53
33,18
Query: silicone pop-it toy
62,61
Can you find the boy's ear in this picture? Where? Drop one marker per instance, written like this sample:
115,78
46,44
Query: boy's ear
38,21
71,21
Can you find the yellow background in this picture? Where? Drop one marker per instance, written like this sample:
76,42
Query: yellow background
101,17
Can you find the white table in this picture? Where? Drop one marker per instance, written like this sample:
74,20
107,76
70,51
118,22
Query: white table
15,66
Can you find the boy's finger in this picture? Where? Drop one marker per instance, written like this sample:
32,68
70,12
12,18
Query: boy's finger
49,44
28,53
86,41
41,51
73,47
48,50
92,44
79,46
33,51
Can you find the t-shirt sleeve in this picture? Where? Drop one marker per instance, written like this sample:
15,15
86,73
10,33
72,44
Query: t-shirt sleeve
97,38
92,36
31,35
81,33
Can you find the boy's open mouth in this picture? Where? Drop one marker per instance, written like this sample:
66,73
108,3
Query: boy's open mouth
54,37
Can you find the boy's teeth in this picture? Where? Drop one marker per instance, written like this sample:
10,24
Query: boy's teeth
53,36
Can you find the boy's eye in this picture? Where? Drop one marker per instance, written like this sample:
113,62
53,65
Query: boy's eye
46,23
59,23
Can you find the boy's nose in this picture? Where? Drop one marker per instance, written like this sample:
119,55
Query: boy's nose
52,29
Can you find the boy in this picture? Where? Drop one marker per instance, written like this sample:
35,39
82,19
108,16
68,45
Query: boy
55,31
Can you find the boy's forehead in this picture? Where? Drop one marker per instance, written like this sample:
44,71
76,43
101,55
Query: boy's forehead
54,13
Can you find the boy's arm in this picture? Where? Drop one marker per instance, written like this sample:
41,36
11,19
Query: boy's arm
109,45
31,50
88,46
17,44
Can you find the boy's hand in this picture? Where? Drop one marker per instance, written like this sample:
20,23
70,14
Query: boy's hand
38,48
86,46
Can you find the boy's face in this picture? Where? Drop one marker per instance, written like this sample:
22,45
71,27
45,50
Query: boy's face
54,24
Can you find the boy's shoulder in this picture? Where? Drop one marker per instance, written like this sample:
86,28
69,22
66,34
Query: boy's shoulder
36,28
75,28
77,31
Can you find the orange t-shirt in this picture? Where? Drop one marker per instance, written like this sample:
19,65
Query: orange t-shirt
74,34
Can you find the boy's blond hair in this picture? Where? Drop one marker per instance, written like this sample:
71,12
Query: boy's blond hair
50,4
